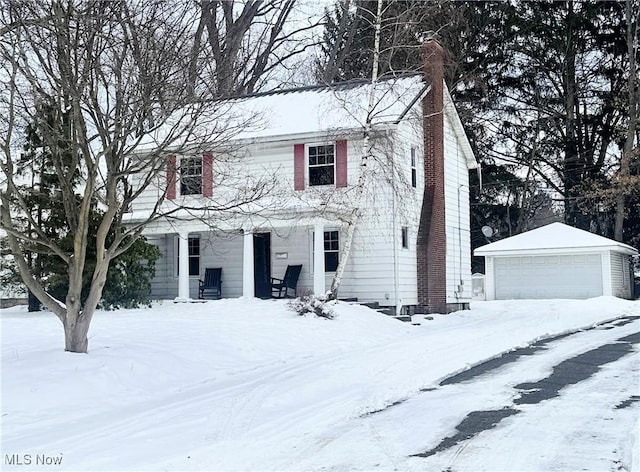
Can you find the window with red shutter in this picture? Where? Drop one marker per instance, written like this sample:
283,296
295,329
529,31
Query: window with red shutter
171,177
298,167
341,163
207,175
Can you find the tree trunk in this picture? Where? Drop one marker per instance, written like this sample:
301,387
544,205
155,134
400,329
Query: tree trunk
571,158
76,328
625,159
363,177
33,303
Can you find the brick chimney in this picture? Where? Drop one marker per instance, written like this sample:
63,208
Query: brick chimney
432,242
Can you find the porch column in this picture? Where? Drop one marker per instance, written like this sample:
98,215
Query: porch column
318,259
183,267
248,287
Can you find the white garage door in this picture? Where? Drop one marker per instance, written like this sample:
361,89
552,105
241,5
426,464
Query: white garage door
578,276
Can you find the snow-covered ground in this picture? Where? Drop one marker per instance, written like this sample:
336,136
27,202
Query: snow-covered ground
250,385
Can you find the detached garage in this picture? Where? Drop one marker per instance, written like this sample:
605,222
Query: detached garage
557,261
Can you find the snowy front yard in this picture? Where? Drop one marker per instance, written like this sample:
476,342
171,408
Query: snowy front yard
249,385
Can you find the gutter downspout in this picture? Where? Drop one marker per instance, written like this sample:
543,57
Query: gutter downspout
396,282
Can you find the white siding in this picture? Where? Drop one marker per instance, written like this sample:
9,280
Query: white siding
620,276
408,206
236,169
223,250
379,269
457,218
164,285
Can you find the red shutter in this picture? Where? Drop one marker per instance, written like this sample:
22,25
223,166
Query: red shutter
171,177
207,175
298,167
341,163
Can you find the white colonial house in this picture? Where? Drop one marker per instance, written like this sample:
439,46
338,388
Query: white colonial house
411,246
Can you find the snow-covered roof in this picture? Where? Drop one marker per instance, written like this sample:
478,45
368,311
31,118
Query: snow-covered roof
314,110
553,238
322,109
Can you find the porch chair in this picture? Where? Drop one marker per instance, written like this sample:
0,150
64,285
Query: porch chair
280,287
212,283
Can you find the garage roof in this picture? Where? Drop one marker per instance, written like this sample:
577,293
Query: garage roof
553,239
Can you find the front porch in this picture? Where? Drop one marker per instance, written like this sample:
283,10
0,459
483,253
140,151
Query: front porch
249,258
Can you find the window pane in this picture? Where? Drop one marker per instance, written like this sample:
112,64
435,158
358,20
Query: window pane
329,154
191,175
191,185
194,265
194,246
414,178
330,261
321,165
322,175
331,241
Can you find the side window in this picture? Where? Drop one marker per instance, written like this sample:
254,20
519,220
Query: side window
414,170
331,250
404,235
191,176
194,256
321,165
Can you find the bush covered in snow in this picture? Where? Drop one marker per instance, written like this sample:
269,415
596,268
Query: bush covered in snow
309,303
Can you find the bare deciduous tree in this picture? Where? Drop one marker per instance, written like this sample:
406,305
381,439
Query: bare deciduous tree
238,44
363,174
111,76
630,150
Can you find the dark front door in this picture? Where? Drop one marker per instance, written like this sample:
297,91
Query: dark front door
262,264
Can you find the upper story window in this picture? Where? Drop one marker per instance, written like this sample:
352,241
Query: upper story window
191,176
414,170
322,165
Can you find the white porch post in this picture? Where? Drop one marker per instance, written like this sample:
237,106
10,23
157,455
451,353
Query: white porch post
318,259
183,267
248,288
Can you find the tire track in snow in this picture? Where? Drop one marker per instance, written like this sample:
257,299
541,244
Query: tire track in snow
367,422
564,374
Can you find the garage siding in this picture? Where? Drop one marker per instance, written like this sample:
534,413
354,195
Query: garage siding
620,276
552,276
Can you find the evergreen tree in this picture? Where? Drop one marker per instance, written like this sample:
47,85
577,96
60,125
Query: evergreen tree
539,85
128,282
